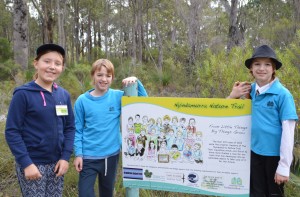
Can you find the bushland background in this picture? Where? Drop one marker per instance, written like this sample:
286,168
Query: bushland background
177,48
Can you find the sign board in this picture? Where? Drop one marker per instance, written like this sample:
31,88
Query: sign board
188,145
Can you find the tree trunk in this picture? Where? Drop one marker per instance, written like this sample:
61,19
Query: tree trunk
61,10
296,4
89,38
140,30
45,13
48,21
106,24
20,33
192,17
76,30
61,25
236,30
134,30
159,42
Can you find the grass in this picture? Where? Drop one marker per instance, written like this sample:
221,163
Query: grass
9,185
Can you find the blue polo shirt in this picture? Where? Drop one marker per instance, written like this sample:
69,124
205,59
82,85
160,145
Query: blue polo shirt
269,109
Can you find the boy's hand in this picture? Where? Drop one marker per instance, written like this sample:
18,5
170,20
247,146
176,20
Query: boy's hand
240,89
129,80
61,167
279,179
78,163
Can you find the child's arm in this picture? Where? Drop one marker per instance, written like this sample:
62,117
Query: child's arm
286,151
240,89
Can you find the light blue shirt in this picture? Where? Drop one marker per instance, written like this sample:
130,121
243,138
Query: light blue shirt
97,121
269,109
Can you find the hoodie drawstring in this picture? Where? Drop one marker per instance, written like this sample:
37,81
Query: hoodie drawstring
105,167
43,96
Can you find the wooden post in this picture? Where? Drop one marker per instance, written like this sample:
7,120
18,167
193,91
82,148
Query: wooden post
131,90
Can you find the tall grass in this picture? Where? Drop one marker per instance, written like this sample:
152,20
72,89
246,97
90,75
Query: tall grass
9,184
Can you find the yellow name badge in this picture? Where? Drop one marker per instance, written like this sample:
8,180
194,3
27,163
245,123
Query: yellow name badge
61,110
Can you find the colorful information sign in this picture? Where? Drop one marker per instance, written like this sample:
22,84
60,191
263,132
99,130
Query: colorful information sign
188,145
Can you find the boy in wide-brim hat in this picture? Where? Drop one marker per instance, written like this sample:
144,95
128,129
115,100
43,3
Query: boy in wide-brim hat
273,123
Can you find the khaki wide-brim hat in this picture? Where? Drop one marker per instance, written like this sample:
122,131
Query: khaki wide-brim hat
263,51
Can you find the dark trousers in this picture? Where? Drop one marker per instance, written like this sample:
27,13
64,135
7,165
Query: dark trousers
262,183
106,172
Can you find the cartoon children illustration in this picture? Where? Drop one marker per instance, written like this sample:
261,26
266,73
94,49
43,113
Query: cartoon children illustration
199,137
174,153
197,153
144,123
174,123
130,148
182,126
161,138
170,138
162,149
130,126
190,138
187,153
137,124
192,125
151,151
159,125
166,122
179,140
151,125
152,136
142,137
130,136
139,152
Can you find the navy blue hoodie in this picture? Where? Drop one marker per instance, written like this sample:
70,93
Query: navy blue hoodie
34,133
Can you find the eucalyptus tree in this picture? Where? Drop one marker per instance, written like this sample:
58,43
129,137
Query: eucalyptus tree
296,15
192,13
269,22
236,26
61,16
45,10
74,41
161,30
20,33
6,20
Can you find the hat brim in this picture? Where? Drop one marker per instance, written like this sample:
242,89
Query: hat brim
248,63
50,47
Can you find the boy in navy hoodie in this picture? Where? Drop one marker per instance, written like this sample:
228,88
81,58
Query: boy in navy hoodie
40,126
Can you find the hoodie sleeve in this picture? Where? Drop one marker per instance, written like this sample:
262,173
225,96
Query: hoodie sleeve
13,130
141,90
69,132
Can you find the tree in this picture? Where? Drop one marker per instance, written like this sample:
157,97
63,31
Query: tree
45,10
6,20
20,33
236,28
61,11
191,12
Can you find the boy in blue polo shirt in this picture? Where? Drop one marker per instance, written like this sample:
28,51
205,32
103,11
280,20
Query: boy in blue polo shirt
273,123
